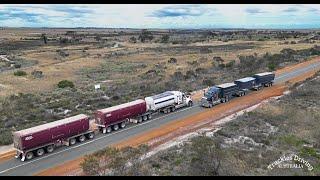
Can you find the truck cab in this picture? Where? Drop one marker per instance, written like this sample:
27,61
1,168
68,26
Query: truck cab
187,99
211,97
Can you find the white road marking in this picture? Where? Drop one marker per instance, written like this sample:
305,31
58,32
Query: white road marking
102,137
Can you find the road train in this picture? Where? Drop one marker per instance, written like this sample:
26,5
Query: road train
37,141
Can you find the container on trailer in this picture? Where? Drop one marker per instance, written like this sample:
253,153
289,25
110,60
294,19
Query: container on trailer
246,83
161,100
119,113
264,78
228,89
50,132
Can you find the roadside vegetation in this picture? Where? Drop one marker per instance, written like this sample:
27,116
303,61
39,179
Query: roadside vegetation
244,146
62,67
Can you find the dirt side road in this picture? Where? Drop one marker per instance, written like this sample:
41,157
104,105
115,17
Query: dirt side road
183,126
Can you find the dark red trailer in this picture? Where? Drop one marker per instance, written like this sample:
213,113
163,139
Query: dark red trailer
117,116
44,138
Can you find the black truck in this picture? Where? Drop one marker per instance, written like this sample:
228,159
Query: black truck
220,94
224,92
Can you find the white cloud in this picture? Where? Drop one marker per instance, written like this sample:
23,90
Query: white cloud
138,15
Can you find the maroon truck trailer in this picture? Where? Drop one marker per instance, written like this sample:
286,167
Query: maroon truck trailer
117,116
44,138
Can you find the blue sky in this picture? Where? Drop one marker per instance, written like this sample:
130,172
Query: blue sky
161,15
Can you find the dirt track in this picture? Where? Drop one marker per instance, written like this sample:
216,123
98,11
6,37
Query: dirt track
183,126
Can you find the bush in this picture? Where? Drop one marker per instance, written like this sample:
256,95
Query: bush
37,74
231,64
5,138
208,82
172,60
65,83
272,66
20,73
17,66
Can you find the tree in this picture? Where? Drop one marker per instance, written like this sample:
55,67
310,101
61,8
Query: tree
165,38
133,39
44,37
98,38
145,35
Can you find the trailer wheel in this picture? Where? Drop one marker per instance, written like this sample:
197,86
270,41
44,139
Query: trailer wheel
104,130
140,119
115,127
210,105
109,129
29,155
190,104
40,152
149,116
72,141
173,109
227,99
123,125
169,110
50,149
91,135
144,118
82,138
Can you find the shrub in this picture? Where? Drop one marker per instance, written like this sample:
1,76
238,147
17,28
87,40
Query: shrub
231,64
17,66
20,73
37,74
272,66
65,83
5,138
165,38
208,82
172,60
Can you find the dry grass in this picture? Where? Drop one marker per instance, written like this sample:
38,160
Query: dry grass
55,70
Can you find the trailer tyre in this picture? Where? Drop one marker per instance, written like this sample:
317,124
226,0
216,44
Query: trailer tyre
122,125
50,149
104,130
173,109
149,116
40,152
140,119
72,141
82,138
144,118
190,104
90,135
115,127
109,129
29,155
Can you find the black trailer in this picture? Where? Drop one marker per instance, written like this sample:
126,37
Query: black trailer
228,90
246,84
264,79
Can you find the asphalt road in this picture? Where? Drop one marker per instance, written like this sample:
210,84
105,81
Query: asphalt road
16,167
